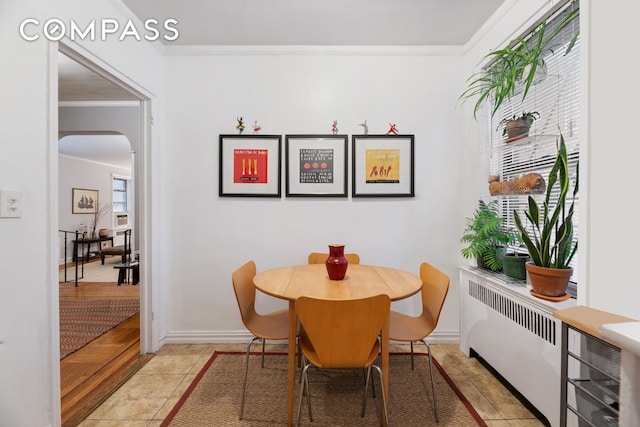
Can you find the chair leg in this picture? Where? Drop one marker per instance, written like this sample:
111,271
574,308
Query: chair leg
385,420
246,370
433,390
366,386
412,365
304,379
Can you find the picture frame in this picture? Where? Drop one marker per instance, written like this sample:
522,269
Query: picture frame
383,166
316,165
84,201
250,165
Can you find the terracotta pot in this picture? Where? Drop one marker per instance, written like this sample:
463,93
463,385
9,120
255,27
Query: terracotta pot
517,129
103,232
549,282
336,262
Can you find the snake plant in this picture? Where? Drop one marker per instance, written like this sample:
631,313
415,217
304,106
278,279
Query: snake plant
549,240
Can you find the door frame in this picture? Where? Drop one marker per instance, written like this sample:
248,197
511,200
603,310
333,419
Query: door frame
142,173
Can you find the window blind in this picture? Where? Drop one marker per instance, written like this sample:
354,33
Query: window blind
556,98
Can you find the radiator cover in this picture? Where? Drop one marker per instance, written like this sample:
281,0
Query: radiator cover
515,333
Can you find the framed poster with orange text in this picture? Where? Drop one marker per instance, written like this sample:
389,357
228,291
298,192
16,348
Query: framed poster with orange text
382,166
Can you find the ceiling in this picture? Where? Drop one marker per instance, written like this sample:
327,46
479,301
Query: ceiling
274,22
319,22
112,150
292,22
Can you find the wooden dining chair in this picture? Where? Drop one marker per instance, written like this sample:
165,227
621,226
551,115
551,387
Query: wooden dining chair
269,326
341,334
435,285
320,258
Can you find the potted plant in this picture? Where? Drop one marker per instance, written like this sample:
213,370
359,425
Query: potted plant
549,240
517,126
515,258
515,67
486,236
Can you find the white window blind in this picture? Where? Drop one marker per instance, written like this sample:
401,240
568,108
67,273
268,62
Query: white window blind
556,98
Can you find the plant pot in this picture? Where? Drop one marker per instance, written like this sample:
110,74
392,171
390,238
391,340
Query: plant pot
549,283
103,232
514,266
517,129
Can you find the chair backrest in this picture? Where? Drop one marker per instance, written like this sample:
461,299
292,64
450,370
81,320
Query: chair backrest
245,290
435,286
321,258
343,332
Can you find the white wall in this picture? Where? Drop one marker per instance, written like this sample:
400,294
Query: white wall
79,173
29,348
303,91
611,234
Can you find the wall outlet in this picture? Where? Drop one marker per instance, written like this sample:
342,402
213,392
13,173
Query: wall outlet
10,204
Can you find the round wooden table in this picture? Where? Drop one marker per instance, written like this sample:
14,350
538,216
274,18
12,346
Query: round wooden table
312,280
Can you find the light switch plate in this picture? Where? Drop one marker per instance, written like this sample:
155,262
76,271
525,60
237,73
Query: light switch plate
10,204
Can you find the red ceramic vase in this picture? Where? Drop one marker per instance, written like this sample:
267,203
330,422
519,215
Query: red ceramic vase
336,262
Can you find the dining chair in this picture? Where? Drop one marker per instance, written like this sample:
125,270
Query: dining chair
320,258
263,326
338,334
435,286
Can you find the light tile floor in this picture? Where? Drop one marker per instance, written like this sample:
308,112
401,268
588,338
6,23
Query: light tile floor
147,398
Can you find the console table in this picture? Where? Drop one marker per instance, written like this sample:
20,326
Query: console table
88,242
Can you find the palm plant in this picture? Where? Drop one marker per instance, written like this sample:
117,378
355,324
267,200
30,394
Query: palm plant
486,235
550,239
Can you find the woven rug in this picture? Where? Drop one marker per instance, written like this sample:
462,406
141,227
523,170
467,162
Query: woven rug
83,320
213,398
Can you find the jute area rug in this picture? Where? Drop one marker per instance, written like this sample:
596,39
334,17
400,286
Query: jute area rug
213,398
83,320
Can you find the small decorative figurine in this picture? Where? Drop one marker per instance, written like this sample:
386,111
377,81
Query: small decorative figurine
256,127
365,127
392,129
240,125
334,127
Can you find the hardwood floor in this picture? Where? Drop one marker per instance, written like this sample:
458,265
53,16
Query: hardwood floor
89,375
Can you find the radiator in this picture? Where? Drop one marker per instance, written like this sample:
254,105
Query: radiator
515,333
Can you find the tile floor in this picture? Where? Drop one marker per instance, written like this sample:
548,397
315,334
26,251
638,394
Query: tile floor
147,398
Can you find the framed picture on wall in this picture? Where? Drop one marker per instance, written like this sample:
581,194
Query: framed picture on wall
250,165
84,201
316,165
382,166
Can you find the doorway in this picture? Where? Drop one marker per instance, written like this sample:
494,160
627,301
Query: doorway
91,99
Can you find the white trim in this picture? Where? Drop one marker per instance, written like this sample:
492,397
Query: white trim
52,243
99,104
98,66
210,50
242,336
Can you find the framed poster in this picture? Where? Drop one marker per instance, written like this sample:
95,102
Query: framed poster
382,166
84,201
250,165
316,165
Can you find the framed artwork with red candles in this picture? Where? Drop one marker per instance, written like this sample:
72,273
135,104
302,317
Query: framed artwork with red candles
250,165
